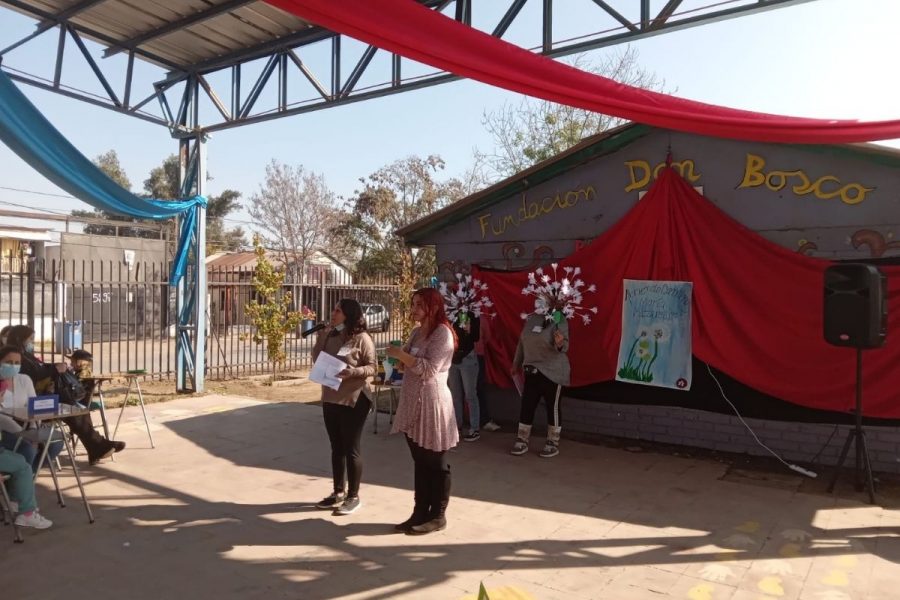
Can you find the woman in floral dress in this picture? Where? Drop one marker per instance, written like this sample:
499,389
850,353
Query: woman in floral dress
425,414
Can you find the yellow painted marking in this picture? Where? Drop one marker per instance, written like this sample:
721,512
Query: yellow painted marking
846,561
748,527
836,578
771,586
704,591
789,551
506,592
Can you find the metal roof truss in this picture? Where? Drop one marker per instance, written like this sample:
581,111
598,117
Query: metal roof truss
179,36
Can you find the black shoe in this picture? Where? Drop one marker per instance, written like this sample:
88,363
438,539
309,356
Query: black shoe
104,451
332,501
349,506
436,524
408,524
118,446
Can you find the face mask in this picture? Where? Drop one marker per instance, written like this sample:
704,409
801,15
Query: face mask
29,347
8,371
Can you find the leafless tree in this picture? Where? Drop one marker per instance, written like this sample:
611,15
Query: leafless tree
296,210
534,130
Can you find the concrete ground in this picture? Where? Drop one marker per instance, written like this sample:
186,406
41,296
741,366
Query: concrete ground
222,508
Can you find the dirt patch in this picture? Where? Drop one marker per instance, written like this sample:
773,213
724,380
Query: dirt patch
257,388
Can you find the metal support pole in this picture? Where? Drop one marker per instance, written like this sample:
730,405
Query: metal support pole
29,290
190,344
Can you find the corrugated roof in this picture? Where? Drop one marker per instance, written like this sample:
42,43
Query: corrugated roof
188,35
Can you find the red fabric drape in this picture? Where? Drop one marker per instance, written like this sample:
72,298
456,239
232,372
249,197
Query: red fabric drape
757,312
407,28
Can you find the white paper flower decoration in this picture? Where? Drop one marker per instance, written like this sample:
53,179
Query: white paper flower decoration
467,296
554,295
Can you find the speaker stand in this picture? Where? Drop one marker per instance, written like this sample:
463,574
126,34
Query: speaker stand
857,435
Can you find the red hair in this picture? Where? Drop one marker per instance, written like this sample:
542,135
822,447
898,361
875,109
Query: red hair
435,315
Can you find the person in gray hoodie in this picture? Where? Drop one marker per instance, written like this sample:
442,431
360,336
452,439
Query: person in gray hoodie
541,354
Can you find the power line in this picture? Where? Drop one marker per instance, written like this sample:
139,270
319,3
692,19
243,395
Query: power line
12,189
68,197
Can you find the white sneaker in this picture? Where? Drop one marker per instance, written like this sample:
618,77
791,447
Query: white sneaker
33,519
491,426
13,507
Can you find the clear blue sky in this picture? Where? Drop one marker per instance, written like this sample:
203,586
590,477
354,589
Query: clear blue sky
826,58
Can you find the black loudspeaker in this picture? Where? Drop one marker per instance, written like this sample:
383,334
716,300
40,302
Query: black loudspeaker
855,305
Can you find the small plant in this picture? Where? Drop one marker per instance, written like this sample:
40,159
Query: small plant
307,314
270,312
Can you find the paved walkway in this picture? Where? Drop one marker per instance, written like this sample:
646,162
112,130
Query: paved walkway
222,509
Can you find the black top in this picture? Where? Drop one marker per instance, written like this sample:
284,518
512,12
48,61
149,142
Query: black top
467,339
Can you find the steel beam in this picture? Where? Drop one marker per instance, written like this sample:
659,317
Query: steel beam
332,87
191,290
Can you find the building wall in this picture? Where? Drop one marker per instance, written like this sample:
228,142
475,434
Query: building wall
825,202
104,257
795,442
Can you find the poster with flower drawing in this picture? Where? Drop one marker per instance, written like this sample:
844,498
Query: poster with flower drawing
655,348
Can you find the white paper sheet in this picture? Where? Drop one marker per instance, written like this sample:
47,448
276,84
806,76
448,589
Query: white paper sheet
324,370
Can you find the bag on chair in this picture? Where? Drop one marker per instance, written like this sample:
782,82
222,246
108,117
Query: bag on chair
69,388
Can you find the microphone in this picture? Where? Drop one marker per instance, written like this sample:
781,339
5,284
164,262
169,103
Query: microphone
313,329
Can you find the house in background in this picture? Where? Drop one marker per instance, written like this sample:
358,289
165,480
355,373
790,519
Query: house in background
17,243
230,282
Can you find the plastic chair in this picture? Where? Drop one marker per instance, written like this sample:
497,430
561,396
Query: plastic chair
9,517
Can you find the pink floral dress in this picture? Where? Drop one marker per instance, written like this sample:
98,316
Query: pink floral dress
425,412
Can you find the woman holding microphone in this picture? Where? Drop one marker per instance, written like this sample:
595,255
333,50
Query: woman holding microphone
345,409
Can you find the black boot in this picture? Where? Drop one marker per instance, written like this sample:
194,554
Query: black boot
439,484
423,505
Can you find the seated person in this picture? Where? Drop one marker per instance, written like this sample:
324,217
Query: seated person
21,482
43,377
15,390
3,333
82,364
21,490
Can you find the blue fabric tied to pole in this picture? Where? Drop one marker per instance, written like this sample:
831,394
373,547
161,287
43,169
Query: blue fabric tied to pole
36,141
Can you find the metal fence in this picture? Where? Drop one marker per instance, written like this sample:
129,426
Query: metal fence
126,316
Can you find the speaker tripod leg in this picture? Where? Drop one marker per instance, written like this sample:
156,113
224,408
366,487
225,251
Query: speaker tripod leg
840,463
870,481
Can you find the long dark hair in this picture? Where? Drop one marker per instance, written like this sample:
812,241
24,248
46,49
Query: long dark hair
435,313
17,336
354,320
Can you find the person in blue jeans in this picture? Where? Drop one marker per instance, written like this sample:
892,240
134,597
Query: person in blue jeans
463,376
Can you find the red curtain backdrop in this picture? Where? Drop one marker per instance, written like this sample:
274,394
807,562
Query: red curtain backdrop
422,34
757,311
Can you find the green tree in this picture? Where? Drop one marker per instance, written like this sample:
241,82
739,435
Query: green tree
390,198
534,130
218,237
270,311
162,183
108,162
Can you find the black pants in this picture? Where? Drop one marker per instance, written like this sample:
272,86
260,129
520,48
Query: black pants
537,386
484,413
83,427
344,425
432,483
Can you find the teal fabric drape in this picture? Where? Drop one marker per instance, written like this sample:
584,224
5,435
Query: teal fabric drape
31,136
27,133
